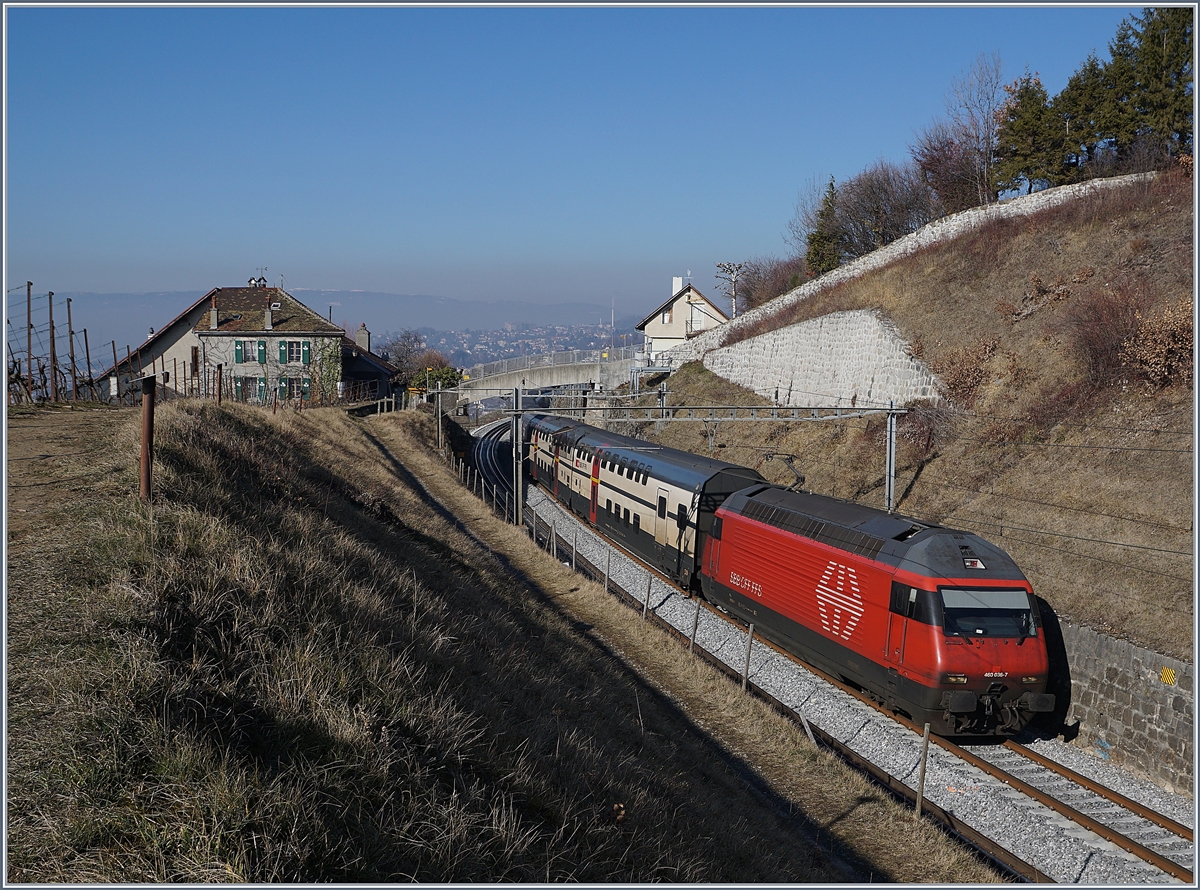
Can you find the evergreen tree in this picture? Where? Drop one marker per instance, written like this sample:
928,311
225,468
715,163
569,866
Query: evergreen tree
1163,59
1077,113
1028,147
824,249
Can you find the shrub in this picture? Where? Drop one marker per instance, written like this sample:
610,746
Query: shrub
962,370
1160,351
1099,323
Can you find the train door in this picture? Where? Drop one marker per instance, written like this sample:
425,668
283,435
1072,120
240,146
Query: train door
662,524
556,450
595,488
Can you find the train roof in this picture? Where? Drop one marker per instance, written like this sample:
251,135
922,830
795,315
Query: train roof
891,538
670,465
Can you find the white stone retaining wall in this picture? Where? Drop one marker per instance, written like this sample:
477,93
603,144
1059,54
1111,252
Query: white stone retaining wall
939,230
851,358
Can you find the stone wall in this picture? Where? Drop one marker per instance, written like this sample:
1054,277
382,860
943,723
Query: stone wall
1132,705
935,232
853,358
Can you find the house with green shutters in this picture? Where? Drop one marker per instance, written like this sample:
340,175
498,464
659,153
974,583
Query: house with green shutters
269,344
260,342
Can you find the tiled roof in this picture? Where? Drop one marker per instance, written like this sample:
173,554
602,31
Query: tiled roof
242,309
675,296
349,346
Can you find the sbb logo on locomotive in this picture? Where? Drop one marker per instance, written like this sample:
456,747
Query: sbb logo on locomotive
839,600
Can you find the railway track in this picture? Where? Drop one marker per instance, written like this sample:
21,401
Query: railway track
1110,835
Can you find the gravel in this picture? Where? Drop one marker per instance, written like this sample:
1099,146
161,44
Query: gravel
1032,831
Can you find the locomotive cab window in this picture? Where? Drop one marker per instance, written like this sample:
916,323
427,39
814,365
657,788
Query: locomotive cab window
662,508
988,613
681,517
919,605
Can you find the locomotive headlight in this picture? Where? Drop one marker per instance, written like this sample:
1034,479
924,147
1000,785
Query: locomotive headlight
1031,679
956,678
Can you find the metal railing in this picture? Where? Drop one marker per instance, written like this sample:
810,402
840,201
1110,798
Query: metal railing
551,359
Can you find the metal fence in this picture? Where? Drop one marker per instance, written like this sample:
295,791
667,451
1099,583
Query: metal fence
550,359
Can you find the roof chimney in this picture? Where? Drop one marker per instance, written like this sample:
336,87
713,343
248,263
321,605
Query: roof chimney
676,284
214,312
362,338
267,316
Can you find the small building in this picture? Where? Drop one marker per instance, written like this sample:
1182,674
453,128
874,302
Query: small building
264,341
365,375
686,314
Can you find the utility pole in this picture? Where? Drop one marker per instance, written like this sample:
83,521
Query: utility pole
890,461
517,448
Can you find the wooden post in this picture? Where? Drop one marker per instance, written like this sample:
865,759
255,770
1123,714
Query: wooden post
746,666
646,602
87,353
29,336
220,368
71,352
148,386
574,549
921,776
53,352
695,624
607,570
116,372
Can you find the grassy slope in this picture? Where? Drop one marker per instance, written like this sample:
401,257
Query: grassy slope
1040,447
302,667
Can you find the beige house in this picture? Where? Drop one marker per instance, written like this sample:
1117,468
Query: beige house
265,340
686,314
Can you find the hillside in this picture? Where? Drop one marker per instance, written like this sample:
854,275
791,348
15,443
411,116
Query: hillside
318,658
1047,441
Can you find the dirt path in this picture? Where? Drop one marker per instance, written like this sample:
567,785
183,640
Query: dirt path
49,455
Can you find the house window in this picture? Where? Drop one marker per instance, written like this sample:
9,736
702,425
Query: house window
668,315
293,388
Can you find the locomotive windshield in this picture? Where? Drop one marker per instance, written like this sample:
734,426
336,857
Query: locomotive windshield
988,613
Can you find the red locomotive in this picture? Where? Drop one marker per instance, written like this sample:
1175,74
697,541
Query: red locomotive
939,625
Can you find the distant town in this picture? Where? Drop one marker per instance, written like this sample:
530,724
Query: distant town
466,348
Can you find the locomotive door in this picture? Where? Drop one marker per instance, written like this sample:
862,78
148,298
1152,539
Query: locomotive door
897,625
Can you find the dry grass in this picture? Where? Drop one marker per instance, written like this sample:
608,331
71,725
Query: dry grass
303,666
1057,450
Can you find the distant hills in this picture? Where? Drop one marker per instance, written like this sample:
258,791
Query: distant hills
127,317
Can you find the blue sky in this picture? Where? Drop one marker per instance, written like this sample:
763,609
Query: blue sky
547,155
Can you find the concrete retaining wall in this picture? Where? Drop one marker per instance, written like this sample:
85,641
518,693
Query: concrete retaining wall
1133,706
850,358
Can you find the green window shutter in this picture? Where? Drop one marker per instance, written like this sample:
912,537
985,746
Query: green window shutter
306,384
282,387
262,353
262,387
305,353
237,351
283,352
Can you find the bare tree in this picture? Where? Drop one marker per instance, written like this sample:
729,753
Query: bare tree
807,211
728,273
404,351
765,278
882,203
973,103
